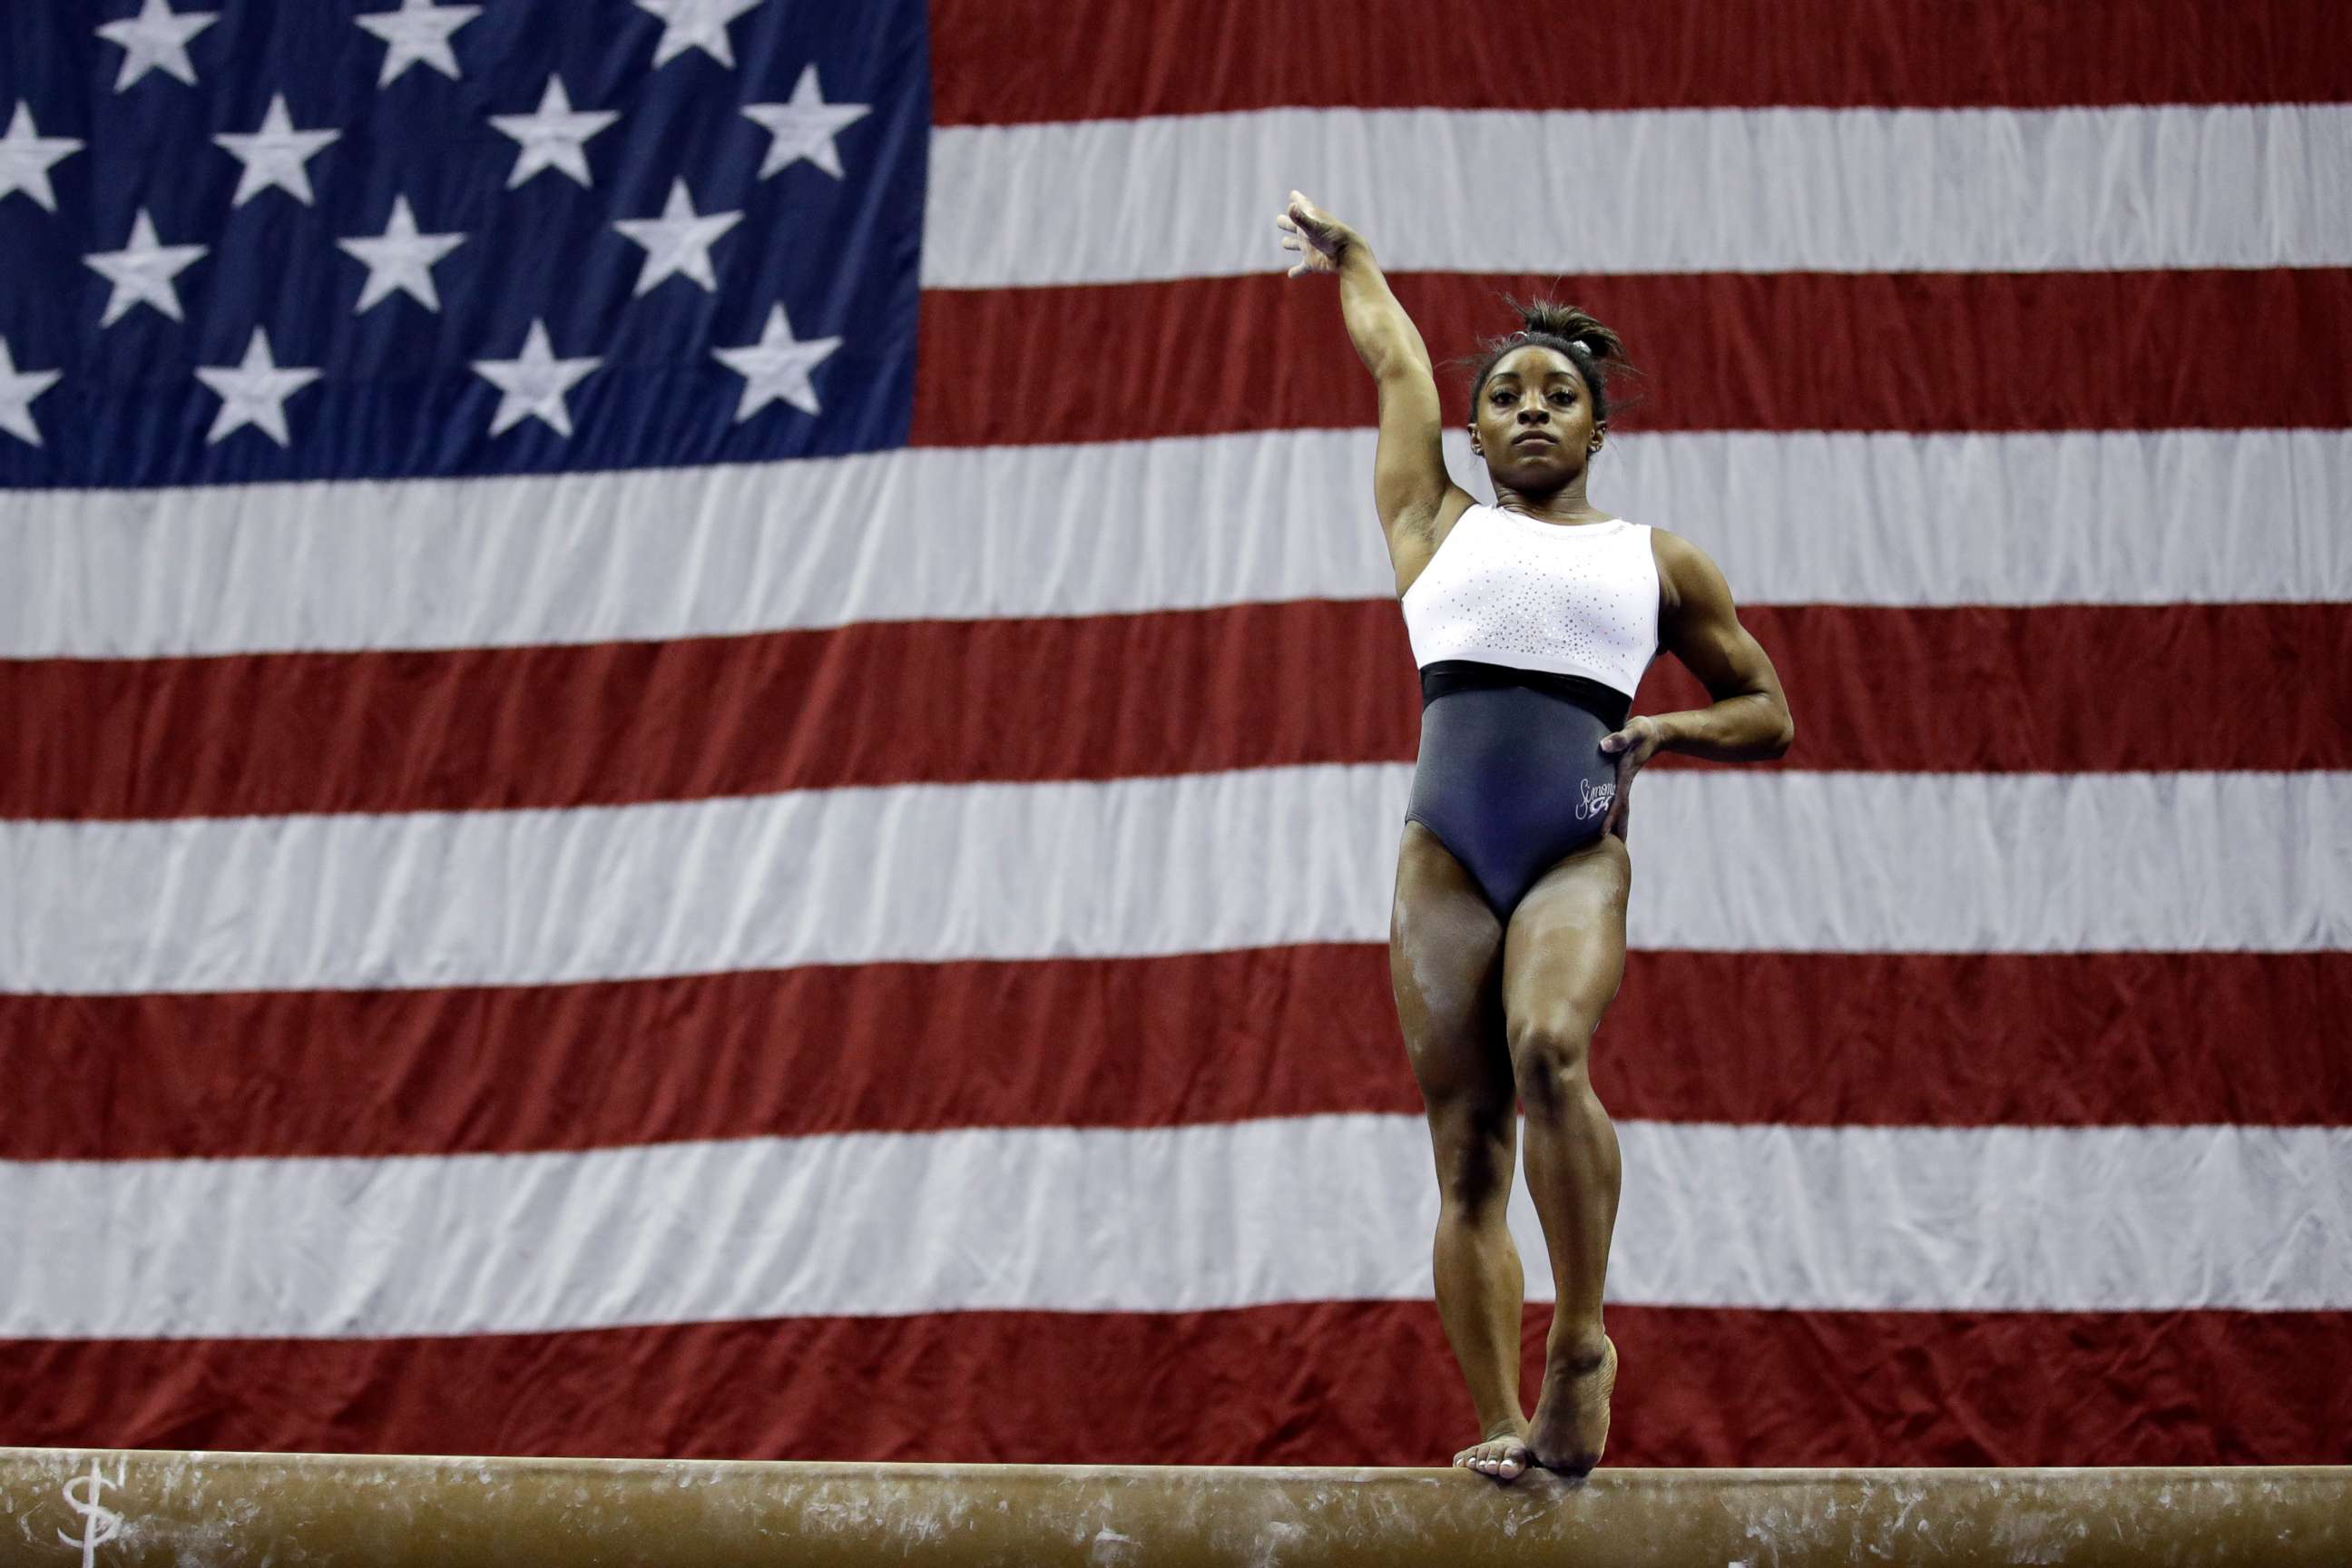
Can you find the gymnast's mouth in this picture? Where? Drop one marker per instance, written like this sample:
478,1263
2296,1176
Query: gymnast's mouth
1533,435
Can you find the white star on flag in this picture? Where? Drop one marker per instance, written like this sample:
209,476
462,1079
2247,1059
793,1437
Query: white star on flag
776,368
679,241
254,393
696,25
274,155
26,156
418,34
156,39
17,390
805,127
534,384
142,272
401,258
556,137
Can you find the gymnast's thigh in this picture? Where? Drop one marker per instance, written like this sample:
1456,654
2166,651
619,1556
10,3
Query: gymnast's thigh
1445,946
1564,951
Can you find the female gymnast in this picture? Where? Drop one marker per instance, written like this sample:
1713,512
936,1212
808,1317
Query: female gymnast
1532,621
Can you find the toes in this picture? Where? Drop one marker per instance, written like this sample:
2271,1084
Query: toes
1505,1459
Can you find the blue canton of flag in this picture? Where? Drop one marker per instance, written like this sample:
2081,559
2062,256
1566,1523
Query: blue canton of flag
243,240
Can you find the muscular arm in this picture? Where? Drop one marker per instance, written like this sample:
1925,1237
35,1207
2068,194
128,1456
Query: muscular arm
1416,498
1385,338
1410,485
1748,720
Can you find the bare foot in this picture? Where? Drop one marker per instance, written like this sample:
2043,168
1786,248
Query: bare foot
1504,1457
1571,1421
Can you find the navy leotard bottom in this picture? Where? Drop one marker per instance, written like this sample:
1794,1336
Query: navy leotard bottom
1511,775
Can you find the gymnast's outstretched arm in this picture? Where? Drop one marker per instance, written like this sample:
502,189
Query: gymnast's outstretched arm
1417,500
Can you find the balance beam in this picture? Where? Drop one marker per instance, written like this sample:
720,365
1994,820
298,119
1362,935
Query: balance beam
148,1508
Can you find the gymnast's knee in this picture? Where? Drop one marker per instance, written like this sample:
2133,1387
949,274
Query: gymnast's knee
1552,1049
1473,1143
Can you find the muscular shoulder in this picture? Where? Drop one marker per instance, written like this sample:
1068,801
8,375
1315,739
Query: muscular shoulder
1449,511
1681,564
1688,579
1414,537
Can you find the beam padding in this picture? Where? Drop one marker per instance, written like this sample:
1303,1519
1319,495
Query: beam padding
148,1508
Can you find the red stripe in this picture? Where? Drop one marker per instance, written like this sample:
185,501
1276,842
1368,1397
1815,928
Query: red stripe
1976,1039
1282,1385
2067,687
1808,1038
993,61
878,703
1776,351
2052,688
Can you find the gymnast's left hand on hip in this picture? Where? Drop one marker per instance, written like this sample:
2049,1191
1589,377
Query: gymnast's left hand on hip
1634,745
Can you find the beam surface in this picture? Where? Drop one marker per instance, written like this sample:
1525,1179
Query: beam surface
148,1508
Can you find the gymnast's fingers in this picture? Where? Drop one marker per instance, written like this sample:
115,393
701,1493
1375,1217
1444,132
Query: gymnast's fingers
1620,812
1628,762
1296,241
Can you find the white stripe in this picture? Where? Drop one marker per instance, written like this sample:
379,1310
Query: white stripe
1725,859
1178,1219
970,534
1729,190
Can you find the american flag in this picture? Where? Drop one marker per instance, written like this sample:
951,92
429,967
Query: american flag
702,728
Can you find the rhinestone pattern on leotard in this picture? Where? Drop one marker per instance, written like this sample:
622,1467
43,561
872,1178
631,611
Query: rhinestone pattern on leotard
1573,599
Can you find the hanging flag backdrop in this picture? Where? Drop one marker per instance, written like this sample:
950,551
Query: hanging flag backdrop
702,727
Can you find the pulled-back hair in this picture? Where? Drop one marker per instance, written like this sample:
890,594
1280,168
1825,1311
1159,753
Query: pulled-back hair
1596,351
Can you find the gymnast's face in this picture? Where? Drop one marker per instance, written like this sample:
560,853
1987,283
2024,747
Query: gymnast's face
1534,420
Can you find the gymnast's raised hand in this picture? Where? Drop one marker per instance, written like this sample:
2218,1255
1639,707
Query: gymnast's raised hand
1319,237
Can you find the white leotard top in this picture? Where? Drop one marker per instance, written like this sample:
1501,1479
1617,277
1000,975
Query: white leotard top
1569,598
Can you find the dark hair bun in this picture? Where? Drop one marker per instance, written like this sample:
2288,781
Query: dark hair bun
1578,328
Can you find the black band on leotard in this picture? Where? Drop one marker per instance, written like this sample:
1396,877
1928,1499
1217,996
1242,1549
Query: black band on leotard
1472,675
